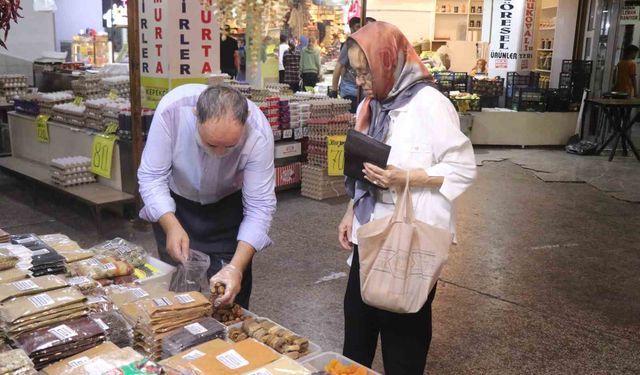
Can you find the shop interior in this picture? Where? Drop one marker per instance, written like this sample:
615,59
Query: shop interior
74,119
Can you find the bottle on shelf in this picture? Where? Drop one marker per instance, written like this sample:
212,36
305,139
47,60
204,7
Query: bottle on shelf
473,9
472,23
443,9
455,9
543,43
478,23
479,9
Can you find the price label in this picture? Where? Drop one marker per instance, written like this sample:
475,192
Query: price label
63,332
335,154
102,324
25,285
102,154
42,128
232,359
113,94
195,329
111,128
41,300
78,100
184,299
193,355
78,362
162,302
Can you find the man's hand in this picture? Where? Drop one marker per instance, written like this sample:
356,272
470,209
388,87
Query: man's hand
385,178
345,229
231,277
177,238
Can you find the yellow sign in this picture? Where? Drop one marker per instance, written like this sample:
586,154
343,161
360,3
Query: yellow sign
42,128
77,100
111,128
102,154
113,94
335,154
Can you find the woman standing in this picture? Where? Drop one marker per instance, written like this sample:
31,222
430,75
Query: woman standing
310,64
404,110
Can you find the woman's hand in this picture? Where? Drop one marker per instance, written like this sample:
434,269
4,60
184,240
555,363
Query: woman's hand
345,228
385,178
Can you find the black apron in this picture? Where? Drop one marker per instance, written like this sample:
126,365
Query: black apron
212,229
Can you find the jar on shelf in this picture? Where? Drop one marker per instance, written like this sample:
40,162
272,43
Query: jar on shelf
472,24
473,9
478,23
479,9
443,8
455,9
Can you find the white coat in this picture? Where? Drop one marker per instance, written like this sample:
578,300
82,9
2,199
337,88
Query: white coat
425,134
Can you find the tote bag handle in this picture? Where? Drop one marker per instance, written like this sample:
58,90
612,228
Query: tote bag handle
404,209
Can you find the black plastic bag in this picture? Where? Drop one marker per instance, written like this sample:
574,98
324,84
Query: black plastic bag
582,148
192,275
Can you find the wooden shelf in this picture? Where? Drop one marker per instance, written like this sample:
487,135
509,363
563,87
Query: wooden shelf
452,14
545,50
475,14
547,28
475,28
552,7
543,71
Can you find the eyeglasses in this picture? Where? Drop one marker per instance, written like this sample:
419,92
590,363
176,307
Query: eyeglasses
359,74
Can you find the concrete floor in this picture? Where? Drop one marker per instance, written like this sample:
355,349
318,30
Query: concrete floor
544,279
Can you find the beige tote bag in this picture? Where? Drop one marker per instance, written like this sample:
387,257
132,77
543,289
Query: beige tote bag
400,258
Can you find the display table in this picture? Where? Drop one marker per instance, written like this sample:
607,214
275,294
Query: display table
617,112
523,128
31,160
65,140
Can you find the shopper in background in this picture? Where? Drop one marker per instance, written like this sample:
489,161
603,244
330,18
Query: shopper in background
291,61
310,64
626,72
343,75
480,68
403,109
229,53
284,47
207,182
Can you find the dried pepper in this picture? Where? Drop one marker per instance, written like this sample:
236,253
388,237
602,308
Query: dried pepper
9,11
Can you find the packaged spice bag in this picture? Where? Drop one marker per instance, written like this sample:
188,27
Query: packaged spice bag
116,327
39,305
123,249
22,253
66,365
30,286
13,274
14,360
7,259
69,249
177,364
101,267
192,334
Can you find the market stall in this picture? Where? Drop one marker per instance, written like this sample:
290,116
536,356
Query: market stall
113,308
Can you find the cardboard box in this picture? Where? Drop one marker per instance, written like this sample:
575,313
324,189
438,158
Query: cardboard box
288,174
242,357
285,150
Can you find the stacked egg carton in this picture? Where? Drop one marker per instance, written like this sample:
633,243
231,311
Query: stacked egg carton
119,84
217,79
50,99
87,86
72,170
12,85
69,113
111,112
285,119
316,182
281,88
102,111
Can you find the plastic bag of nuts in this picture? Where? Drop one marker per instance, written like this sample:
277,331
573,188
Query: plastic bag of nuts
226,315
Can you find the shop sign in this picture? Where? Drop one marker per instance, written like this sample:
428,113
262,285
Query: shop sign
102,154
335,154
42,128
630,15
179,43
512,37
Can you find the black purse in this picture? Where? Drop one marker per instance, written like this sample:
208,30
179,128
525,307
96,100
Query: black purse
360,148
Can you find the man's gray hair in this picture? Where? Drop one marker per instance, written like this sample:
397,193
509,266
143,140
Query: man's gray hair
218,101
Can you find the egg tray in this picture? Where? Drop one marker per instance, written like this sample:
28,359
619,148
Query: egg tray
75,182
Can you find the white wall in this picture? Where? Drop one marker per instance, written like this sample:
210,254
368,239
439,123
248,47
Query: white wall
74,15
413,17
566,20
31,35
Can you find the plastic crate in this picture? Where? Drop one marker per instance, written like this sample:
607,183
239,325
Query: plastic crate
529,100
444,76
487,88
320,361
27,107
466,105
521,80
558,100
577,66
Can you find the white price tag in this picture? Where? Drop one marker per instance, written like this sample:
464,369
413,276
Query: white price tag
139,293
98,366
92,262
78,362
41,300
102,324
162,302
195,329
184,299
193,355
287,133
63,332
93,299
39,252
25,285
232,359
78,280
108,266
260,371
298,133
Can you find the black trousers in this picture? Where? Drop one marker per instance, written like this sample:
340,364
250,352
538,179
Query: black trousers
309,80
405,337
213,230
354,103
280,76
